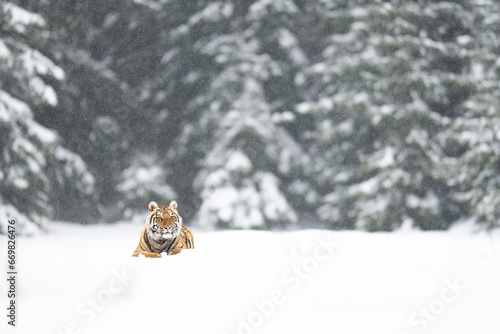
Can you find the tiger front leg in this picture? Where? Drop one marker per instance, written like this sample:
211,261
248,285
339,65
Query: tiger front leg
147,254
151,255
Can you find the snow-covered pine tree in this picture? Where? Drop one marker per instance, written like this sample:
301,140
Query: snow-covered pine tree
248,150
473,140
391,80
98,44
31,157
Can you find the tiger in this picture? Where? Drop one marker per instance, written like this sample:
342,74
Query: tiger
163,232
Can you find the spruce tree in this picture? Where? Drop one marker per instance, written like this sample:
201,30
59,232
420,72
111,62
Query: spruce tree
473,142
391,80
97,116
33,163
249,152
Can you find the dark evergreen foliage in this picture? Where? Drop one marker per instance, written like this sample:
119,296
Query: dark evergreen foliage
252,113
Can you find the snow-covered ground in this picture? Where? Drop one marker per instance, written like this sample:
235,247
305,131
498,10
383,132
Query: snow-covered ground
83,280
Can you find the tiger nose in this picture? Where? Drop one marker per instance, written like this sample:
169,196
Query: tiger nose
167,228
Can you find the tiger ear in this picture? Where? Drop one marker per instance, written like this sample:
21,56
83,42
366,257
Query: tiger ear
152,206
173,205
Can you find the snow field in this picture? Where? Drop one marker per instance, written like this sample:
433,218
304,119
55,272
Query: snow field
83,280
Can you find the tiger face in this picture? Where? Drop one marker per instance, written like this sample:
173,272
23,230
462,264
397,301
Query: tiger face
164,222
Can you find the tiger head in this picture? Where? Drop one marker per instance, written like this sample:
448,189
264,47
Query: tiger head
164,222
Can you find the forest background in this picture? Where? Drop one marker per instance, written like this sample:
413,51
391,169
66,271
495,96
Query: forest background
251,113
